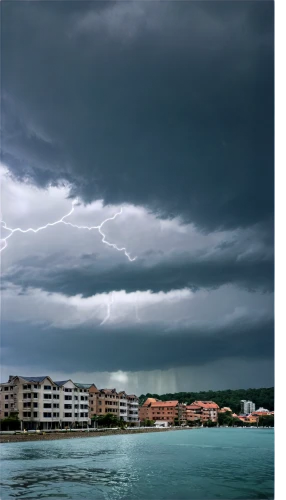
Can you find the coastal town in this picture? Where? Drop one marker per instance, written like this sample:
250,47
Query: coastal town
40,403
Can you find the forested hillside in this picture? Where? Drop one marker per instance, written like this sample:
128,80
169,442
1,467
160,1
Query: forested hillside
261,397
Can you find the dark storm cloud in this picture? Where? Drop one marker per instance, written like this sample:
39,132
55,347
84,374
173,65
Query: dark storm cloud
85,276
163,104
135,349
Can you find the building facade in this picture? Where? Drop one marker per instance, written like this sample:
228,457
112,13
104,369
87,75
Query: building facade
119,404
44,404
162,411
247,407
209,410
193,414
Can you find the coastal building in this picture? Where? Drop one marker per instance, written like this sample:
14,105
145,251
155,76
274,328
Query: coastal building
225,409
193,414
145,409
133,409
121,405
74,404
209,410
247,407
162,411
44,404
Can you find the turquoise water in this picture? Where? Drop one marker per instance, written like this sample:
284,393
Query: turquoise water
180,465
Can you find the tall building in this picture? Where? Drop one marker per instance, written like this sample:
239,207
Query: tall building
44,404
247,407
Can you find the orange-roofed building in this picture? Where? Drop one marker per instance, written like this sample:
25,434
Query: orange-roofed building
224,409
209,410
193,413
166,411
144,410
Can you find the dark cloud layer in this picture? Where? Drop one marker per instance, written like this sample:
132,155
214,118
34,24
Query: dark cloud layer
146,349
86,277
163,104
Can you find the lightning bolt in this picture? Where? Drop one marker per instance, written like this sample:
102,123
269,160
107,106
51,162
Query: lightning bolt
136,310
109,305
63,221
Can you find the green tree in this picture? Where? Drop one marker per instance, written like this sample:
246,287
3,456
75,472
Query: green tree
261,397
11,423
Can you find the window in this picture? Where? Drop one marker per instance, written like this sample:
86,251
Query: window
91,409
47,396
35,395
56,415
6,414
35,405
76,398
47,387
6,406
6,388
68,407
26,414
54,388
76,415
47,405
56,405
56,396
67,390
68,398
35,414
27,405
36,387
68,415
7,397
47,415
100,410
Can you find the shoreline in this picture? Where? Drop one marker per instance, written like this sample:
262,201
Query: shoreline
54,436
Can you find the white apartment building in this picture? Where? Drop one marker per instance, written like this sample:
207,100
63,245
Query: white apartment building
247,407
74,404
133,409
123,406
42,403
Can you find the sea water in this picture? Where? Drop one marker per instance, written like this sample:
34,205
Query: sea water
189,464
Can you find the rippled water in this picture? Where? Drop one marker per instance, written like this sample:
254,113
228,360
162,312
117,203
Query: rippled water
189,464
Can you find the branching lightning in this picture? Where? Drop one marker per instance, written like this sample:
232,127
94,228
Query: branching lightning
63,221
89,228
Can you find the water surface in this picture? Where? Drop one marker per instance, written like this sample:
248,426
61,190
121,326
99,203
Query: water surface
181,465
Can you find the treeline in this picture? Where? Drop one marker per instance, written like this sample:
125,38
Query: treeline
263,397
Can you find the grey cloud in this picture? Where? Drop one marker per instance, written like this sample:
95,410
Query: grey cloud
84,276
177,117
135,349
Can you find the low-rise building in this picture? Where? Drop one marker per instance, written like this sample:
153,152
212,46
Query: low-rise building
193,414
121,405
209,410
165,411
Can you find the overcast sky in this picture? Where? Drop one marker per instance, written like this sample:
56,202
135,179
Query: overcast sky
158,116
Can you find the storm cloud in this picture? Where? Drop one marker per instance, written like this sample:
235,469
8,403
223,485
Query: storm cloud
165,109
112,96
84,277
